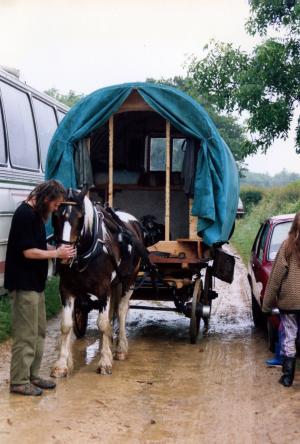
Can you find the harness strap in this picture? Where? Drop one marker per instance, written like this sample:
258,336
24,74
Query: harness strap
66,242
113,224
115,264
140,247
97,242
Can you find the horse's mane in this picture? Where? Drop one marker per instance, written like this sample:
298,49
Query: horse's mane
88,215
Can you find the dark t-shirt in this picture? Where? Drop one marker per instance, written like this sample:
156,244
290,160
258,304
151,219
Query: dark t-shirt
27,231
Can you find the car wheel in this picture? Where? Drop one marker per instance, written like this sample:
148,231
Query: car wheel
256,313
272,336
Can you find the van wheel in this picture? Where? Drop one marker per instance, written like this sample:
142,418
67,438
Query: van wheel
256,313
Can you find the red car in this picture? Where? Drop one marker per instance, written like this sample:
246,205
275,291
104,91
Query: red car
267,242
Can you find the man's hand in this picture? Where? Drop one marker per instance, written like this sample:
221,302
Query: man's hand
266,310
65,252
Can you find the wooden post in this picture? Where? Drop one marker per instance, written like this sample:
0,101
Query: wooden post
193,220
110,160
168,182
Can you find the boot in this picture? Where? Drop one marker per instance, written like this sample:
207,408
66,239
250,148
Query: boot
26,389
288,371
276,361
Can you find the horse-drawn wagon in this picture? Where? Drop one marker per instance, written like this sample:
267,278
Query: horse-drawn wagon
153,151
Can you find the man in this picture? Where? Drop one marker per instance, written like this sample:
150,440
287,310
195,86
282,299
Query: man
26,270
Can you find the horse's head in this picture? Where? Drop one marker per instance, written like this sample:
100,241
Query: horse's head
73,216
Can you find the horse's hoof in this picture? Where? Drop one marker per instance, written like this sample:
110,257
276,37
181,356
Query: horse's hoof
57,372
104,370
120,356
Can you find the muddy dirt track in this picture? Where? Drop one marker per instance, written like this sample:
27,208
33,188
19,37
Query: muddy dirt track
168,391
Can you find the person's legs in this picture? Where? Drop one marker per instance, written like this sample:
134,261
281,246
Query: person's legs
41,333
276,361
24,330
289,335
36,364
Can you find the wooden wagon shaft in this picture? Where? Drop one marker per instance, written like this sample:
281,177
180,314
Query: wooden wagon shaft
110,160
168,174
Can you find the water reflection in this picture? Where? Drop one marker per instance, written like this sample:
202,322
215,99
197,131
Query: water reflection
91,351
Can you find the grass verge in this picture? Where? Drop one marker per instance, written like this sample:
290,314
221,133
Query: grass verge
53,306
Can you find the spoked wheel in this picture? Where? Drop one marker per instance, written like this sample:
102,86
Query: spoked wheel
80,318
205,299
195,317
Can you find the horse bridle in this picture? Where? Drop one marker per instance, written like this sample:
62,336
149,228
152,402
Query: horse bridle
97,243
72,243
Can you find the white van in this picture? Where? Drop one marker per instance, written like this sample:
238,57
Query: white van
28,120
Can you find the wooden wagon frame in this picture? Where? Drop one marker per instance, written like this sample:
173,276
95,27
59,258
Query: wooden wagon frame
184,263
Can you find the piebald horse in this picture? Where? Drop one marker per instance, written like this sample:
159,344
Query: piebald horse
109,249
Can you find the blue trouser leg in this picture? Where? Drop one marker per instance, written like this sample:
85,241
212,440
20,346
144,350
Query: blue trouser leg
277,359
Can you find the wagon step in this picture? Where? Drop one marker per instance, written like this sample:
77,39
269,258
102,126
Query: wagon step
149,293
149,307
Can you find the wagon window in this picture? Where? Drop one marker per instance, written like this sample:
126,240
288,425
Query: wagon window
2,140
177,154
158,154
46,126
20,127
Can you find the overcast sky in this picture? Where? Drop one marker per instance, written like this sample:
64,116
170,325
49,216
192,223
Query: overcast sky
84,45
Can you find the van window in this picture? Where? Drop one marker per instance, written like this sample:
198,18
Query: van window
20,127
262,242
257,239
60,116
280,233
2,140
46,126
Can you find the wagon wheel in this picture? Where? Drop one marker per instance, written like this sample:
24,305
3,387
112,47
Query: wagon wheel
205,299
80,318
195,317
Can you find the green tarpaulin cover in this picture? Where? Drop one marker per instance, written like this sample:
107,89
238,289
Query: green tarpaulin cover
216,181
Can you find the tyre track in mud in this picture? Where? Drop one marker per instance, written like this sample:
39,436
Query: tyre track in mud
168,391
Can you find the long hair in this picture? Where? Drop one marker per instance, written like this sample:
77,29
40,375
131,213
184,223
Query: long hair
293,240
43,194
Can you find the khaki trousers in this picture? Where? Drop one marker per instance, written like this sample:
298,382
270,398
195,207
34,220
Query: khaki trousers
28,331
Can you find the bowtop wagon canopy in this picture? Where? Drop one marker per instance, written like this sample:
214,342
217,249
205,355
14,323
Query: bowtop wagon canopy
159,137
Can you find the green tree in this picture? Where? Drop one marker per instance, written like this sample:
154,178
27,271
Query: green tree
265,82
265,180
230,129
69,99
